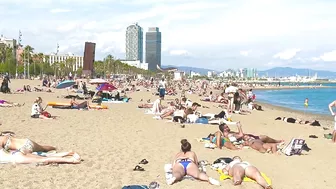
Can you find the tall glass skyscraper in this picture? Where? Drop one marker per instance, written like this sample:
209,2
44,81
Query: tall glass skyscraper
153,48
134,42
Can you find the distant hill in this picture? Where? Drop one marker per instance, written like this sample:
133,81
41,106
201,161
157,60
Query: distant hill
187,69
287,71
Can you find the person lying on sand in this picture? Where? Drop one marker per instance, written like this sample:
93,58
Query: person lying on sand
186,163
299,121
239,169
75,105
42,90
4,103
259,145
221,141
9,142
236,136
37,110
19,158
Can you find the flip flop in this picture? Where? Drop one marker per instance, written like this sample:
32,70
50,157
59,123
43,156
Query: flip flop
138,168
313,136
144,161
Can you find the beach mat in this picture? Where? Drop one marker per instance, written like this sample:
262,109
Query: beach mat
246,179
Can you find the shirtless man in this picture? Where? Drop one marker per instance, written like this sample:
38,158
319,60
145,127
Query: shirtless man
331,105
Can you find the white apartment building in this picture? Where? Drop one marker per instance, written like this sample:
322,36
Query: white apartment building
78,61
136,63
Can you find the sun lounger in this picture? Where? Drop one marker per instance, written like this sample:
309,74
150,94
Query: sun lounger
294,147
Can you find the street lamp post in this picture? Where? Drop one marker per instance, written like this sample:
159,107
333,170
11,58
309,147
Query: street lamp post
24,63
17,47
28,64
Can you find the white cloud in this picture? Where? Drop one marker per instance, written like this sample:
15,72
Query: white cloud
59,10
327,57
205,27
287,54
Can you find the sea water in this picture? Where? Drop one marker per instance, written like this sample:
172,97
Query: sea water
319,99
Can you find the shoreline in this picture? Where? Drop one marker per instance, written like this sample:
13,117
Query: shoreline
288,87
324,119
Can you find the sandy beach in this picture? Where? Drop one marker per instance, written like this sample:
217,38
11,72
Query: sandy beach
113,141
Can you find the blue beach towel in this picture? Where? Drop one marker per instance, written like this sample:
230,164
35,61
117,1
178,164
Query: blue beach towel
135,187
202,120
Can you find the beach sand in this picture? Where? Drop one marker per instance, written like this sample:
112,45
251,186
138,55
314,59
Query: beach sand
113,141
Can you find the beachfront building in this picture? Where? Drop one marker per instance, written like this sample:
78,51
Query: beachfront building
179,75
136,63
153,48
77,61
9,43
211,74
194,74
134,43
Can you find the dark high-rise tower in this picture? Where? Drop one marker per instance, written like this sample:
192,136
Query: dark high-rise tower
153,48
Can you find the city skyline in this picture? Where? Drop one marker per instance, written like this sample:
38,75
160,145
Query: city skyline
213,34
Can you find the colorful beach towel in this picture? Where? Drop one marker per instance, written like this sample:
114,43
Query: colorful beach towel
246,179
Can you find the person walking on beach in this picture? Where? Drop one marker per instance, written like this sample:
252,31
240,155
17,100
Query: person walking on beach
331,105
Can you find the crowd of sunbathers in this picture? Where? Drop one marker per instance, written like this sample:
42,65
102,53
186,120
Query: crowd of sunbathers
184,110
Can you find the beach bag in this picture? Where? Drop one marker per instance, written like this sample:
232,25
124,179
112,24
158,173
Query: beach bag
294,147
46,114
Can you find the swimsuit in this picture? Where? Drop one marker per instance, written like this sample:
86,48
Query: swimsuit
28,146
185,163
215,139
242,164
2,101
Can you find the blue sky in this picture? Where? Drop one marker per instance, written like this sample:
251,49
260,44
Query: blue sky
216,34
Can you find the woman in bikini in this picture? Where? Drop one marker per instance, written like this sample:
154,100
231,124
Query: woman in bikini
239,169
18,157
5,103
8,142
186,163
259,145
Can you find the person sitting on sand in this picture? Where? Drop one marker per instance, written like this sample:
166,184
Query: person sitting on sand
75,105
37,110
186,163
299,121
239,169
180,115
9,142
4,103
221,141
19,158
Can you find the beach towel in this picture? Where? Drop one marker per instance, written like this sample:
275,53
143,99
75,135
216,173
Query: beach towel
246,179
168,168
294,147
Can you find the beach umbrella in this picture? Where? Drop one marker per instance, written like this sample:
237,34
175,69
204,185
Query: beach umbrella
65,84
231,89
98,81
106,87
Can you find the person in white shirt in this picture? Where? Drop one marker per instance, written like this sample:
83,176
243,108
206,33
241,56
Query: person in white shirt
36,111
162,88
